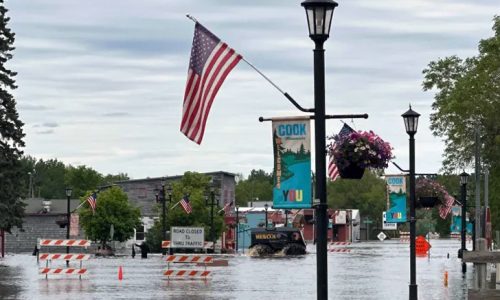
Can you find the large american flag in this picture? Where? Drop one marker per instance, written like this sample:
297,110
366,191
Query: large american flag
186,205
210,63
333,171
92,199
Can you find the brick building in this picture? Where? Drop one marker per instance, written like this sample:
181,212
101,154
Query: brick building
41,215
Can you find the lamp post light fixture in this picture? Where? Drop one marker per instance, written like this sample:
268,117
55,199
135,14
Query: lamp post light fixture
463,197
69,191
411,124
265,208
319,15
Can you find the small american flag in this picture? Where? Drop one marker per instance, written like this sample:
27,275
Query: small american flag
333,171
186,205
445,208
210,63
227,208
92,201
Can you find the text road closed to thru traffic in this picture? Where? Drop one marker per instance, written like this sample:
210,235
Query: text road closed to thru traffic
187,237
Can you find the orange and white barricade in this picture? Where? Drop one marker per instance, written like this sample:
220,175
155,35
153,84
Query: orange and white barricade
50,257
341,250
188,273
334,247
339,243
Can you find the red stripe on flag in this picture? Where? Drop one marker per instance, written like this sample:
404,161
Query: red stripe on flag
217,87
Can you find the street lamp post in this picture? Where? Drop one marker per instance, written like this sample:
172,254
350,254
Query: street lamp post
212,203
463,190
411,124
237,227
319,18
68,217
265,208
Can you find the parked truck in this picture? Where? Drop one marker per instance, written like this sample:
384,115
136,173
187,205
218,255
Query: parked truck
284,240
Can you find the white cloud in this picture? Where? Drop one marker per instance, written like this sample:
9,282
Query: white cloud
111,75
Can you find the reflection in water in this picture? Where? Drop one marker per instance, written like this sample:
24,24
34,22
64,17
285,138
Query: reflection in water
375,270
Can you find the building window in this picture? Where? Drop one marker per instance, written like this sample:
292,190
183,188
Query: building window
139,233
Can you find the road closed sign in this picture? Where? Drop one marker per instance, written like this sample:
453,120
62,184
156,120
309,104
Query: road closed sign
187,237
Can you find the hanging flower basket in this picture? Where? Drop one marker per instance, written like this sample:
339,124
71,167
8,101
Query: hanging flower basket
354,151
429,193
351,172
428,202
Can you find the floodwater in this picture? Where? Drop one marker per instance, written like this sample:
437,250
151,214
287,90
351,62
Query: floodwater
371,270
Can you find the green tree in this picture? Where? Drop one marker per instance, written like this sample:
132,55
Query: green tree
467,97
82,179
259,184
110,179
113,208
197,186
11,135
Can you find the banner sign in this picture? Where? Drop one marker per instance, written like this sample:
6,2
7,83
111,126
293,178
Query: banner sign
187,237
456,219
292,163
74,227
396,198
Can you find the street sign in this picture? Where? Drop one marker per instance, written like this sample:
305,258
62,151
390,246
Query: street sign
381,236
187,237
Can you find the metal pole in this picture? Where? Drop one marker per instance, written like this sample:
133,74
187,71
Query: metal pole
237,228
212,232
163,221
320,157
477,172
266,217
464,229
286,217
2,235
68,226
413,273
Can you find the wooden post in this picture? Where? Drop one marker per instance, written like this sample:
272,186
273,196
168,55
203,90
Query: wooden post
480,268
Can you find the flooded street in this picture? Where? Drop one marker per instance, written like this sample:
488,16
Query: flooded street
371,270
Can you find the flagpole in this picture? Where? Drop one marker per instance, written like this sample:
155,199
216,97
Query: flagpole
176,204
308,110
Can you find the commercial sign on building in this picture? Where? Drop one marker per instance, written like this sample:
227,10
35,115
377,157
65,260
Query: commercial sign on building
187,237
292,163
340,217
396,198
386,225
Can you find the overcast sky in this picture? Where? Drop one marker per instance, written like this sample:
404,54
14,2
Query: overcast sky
101,83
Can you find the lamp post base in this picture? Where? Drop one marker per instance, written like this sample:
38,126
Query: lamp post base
413,292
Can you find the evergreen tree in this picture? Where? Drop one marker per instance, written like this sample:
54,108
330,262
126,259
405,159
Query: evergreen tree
11,135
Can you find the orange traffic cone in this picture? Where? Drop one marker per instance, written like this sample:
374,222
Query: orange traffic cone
120,273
